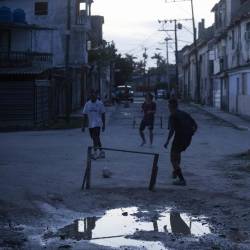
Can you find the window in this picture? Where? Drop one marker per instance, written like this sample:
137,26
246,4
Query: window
41,8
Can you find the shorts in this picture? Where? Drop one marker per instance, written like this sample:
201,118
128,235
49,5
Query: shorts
145,123
181,143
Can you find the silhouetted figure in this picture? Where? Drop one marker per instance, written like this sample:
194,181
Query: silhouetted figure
148,109
183,127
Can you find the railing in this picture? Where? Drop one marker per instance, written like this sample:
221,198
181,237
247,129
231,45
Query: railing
81,19
13,59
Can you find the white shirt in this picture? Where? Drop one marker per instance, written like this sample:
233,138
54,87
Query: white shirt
94,110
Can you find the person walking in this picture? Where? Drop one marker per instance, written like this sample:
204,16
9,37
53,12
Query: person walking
94,116
148,109
183,127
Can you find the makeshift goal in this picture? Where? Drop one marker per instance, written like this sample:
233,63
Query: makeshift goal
86,184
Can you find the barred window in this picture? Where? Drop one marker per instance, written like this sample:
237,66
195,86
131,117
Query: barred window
41,8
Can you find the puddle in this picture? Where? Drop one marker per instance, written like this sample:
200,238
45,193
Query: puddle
112,228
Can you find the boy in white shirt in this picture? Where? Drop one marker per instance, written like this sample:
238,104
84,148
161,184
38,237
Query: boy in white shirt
94,113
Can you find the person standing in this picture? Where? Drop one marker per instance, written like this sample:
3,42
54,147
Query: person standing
148,109
94,113
173,94
183,127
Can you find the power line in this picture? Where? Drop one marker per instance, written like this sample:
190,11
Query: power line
141,43
188,30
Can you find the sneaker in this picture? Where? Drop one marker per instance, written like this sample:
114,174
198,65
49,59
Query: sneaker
94,156
174,175
180,183
143,143
101,155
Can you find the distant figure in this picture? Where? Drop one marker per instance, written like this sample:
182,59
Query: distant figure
148,109
183,127
94,113
113,97
156,93
173,94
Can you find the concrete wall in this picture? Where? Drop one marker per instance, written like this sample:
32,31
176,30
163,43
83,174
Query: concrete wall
192,82
244,103
76,90
233,92
239,102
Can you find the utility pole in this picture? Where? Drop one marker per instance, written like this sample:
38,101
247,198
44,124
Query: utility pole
198,95
167,39
176,58
176,26
67,51
167,61
145,56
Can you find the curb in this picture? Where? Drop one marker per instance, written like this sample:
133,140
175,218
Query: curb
220,118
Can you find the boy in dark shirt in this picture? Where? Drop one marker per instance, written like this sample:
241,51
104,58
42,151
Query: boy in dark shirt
148,109
183,127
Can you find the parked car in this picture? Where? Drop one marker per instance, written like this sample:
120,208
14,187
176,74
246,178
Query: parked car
162,93
124,93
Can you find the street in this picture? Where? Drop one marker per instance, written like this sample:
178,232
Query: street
42,172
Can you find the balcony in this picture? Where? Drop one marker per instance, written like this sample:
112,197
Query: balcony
25,59
82,22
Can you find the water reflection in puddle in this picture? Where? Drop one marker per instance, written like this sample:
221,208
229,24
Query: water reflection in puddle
112,228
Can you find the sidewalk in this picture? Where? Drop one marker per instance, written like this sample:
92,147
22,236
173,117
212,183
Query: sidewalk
234,120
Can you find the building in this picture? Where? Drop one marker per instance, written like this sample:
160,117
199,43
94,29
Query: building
187,67
44,42
231,56
224,59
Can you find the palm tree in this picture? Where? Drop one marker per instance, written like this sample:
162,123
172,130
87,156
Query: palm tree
159,59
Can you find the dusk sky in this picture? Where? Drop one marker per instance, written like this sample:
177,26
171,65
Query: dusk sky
133,24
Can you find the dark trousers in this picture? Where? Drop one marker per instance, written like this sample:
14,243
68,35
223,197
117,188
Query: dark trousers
180,144
95,136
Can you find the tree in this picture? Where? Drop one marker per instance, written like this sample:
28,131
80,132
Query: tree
159,59
124,68
103,54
